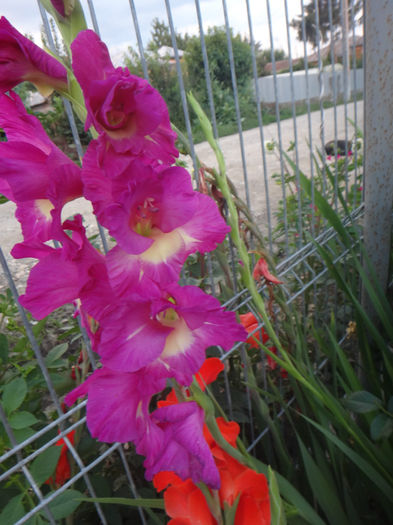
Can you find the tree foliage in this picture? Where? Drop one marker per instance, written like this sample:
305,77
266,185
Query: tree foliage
264,57
161,36
330,20
216,47
163,76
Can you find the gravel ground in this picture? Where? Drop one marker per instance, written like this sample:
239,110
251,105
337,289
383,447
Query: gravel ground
230,145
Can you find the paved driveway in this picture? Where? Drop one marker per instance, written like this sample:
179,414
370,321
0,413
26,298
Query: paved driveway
258,188
254,164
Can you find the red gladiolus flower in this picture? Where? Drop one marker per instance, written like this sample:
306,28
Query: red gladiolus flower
236,479
273,364
250,323
185,503
261,272
63,469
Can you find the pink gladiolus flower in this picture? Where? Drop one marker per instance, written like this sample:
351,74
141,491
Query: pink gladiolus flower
21,59
175,442
61,273
118,403
154,231
168,334
170,437
127,112
34,173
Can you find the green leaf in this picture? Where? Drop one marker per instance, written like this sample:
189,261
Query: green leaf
55,354
21,434
13,511
65,503
276,504
45,464
358,460
39,327
14,393
22,420
4,348
390,405
137,502
324,492
291,495
362,402
381,427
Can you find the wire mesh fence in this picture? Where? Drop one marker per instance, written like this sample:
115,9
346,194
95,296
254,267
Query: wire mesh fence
266,145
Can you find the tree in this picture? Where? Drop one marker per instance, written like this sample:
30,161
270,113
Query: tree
217,51
328,32
264,56
163,75
161,36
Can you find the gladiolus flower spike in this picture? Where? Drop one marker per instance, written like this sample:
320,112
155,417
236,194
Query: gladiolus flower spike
146,328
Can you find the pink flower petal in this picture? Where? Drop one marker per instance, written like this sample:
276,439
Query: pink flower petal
118,403
182,447
21,60
128,113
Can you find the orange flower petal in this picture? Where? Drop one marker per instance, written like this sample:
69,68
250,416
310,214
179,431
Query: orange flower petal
165,478
261,271
209,371
187,505
250,323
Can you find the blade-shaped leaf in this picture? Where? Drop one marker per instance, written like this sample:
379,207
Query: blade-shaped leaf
137,502
323,491
359,461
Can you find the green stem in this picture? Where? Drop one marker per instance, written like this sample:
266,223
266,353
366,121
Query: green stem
212,501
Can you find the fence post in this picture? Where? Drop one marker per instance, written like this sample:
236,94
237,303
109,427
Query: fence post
378,111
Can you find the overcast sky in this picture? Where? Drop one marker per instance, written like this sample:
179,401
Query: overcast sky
117,29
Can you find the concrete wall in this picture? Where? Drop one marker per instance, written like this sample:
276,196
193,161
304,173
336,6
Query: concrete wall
284,96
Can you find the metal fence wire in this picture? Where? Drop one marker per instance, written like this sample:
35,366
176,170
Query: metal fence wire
322,86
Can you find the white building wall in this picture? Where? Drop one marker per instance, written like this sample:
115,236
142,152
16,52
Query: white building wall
329,80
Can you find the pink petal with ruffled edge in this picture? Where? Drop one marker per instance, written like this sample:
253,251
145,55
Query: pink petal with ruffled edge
168,334
61,273
40,177
21,60
145,209
181,447
52,282
130,338
127,112
118,403
36,219
203,323
163,260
